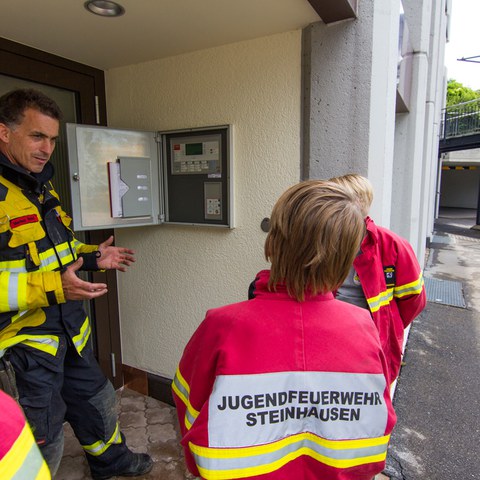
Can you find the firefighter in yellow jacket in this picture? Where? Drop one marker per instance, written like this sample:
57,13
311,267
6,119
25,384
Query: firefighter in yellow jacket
44,331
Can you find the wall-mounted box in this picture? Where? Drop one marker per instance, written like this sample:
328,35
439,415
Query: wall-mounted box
404,66
126,178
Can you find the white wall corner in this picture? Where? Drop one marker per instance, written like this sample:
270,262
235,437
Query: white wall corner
382,106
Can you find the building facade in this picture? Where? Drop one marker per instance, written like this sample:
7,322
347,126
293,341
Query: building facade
362,94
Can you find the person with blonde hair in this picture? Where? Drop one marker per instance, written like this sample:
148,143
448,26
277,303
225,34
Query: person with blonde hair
361,188
385,277
278,387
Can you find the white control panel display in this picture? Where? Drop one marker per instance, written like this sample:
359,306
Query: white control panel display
198,156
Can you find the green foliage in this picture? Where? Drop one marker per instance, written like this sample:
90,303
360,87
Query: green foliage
461,118
458,93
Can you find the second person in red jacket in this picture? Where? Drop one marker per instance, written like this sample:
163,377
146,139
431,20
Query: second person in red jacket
385,278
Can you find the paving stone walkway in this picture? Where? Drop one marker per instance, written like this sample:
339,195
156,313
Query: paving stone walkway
149,426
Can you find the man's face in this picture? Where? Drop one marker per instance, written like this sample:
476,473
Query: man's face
30,144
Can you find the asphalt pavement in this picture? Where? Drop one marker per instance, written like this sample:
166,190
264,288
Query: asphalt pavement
437,398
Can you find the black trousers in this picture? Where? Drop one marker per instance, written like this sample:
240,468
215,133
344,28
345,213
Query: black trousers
73,388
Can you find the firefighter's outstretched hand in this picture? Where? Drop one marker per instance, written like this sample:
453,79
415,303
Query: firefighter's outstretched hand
116,258
75,288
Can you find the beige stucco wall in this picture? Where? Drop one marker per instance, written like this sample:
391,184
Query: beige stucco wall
183,271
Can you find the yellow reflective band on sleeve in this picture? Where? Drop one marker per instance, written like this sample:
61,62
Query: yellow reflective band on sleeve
84,248
4,292
14,266
413,288
27,291
44,472
64,251
227,463
48,260
96,449
19,290
81,339
182,389
45,343
13,291
24,460
382,299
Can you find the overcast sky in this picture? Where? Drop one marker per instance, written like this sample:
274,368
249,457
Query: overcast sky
464,42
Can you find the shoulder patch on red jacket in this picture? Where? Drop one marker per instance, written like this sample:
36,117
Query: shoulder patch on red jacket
389,273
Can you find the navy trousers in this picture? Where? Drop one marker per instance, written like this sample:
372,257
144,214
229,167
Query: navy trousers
73,388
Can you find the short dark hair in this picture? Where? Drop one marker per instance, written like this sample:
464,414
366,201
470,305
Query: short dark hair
14,103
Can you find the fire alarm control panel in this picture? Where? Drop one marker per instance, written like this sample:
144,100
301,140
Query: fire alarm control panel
124,178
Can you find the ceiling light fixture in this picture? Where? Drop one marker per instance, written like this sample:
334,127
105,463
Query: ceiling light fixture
105,8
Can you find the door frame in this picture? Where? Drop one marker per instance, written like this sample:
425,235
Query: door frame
88,84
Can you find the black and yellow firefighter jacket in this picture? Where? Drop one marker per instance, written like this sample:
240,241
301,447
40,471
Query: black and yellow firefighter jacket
36,244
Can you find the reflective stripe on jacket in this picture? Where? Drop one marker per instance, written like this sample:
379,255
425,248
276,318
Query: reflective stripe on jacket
284,389
392,281
36,243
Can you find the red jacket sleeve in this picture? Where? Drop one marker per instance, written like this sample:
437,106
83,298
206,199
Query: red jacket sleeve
194,379
409,292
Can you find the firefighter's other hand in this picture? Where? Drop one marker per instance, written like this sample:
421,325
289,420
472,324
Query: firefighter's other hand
75,288
114,258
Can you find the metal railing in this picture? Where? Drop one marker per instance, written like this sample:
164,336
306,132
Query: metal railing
461,119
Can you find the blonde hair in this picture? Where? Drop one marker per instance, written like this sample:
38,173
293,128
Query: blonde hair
361,187
315,232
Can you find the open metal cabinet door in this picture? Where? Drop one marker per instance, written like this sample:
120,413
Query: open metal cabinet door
115,177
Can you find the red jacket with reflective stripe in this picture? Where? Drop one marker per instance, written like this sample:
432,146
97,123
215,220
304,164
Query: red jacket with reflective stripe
20,457
392,282
273,388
